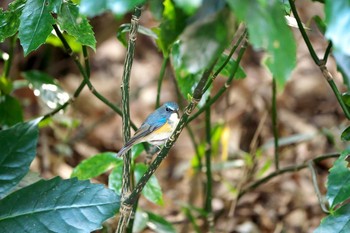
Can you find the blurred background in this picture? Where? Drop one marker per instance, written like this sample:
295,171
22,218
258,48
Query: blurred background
310,122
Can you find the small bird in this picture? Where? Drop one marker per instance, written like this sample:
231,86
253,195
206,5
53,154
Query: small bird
157,127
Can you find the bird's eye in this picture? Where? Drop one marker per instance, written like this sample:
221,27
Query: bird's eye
168,109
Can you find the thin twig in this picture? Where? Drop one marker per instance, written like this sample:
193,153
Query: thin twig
274,123
195,146
223,88
327,52
208,194
232,51
317,190
8,62
84,73
292,168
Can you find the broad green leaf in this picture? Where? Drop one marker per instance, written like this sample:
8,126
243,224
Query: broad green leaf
6,85
346,98
92,8
152,190
36,23
9,20
140,222
172,24
338,21
73,43
286,6
226,71
76,25
18,149
189,7
338,184
95,165
268,30
115,178
124,28
186,81
337,222
58,205
159,224
136,150
10,111
46,88
204,40
345,136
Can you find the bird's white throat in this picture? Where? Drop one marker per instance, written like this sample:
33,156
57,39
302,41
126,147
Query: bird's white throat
174,119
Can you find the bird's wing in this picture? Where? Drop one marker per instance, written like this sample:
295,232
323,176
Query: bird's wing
144,130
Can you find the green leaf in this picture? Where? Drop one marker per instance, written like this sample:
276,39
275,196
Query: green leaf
124,28
337,222
338,21
204,40
95,165
268,30
9,20
286,6
159,224
76,25
226,71
185,80
136,150
58,205
172,24
36,23
140,223
115,178
321,25
10,111
189,7
92,8
345,136
338,184
18,149
73,43
346,98
46,88
152,190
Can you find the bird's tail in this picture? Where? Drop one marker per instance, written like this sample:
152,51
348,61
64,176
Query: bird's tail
124,150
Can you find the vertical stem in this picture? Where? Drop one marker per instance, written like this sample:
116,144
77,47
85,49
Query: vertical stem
303,33
274,122
86,61
208,196
126,183
8,62
160,79
195,146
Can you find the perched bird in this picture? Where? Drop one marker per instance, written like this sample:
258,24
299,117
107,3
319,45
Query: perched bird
157,127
